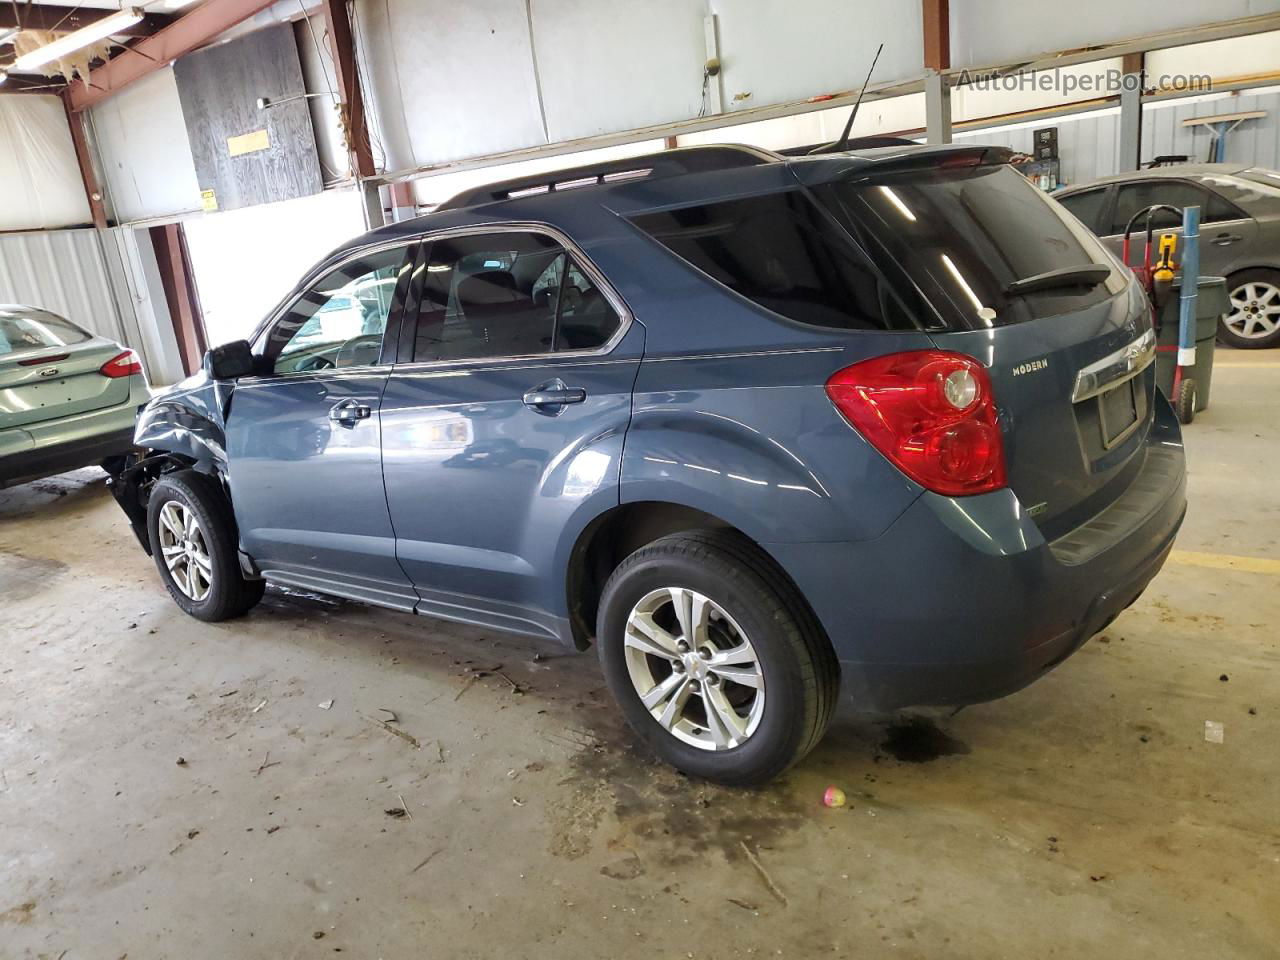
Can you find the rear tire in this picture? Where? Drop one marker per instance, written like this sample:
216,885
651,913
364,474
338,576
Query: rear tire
1254,320
1186,404
193,542
758,653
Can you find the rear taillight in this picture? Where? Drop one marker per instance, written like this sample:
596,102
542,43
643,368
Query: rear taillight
931,413
123,365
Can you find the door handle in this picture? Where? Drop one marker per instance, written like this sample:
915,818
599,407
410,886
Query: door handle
349,411
554,393
1226,239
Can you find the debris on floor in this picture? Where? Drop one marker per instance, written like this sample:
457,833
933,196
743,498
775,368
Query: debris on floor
764,874
429,857
834,797
396,732
1213,731
325,705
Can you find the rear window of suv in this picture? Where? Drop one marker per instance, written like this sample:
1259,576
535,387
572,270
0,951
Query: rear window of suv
784,253
964,235
25,330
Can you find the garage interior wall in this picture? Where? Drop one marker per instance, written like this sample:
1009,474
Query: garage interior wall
40,185
145,155
319,78
448,81
1004,31
1088,143
98,280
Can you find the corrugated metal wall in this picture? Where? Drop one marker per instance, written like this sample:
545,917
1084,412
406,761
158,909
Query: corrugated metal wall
97,281
1088,144
1255,142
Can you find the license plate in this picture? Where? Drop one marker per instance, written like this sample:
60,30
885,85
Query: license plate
1118,411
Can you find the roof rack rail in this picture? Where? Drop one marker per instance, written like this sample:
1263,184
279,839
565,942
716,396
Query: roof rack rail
664,164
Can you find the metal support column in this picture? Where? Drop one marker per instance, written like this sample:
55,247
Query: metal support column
937,107
1131,112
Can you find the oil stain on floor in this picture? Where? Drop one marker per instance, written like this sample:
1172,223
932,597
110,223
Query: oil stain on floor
919,740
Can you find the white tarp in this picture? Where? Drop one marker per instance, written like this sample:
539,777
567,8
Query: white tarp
40,185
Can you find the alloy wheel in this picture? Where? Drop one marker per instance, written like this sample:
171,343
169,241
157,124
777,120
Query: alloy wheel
185,550
1255,310
694,669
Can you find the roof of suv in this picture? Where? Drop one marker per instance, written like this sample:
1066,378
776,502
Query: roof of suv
566,186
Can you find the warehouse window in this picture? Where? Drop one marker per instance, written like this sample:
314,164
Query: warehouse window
785,254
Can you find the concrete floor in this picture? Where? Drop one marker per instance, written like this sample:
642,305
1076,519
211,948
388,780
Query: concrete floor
175,789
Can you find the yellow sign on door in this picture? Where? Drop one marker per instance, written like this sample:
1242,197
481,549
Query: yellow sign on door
208,201
248,143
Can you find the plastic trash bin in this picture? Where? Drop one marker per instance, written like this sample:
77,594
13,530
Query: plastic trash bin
1211,303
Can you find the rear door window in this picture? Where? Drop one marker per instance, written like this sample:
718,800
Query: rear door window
784,253
508,294
964,235
1087,206
1137,196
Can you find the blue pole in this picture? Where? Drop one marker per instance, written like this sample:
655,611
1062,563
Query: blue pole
1190,286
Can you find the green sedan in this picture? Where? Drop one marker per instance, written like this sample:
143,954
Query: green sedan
68,399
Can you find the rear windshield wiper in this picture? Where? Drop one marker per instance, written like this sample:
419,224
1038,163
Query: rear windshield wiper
1085,275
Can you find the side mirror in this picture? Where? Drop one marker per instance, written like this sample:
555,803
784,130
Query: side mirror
229,361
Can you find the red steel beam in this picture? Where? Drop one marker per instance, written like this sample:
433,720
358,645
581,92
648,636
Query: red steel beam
92,192
354,125
180,293
937,34
148,55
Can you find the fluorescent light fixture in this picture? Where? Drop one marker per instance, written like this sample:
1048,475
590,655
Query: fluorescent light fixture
76,40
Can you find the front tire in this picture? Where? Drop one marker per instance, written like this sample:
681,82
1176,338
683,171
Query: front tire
193,542
1254,320
714,659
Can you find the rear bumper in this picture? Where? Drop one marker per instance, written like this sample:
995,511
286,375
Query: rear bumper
963,601
44,449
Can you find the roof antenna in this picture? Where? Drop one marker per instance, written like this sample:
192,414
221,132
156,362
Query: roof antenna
848,126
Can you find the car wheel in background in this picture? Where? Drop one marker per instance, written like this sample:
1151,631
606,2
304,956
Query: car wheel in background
714,659
193,541
1185,407
1254,320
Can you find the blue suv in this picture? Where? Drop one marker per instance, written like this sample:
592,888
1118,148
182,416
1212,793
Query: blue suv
766,431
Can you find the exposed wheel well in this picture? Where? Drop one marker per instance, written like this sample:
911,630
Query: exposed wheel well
614,536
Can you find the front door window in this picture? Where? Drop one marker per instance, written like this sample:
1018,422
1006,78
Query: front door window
340,320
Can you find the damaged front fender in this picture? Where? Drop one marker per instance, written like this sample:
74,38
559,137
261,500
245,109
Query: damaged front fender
190,420
184,427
